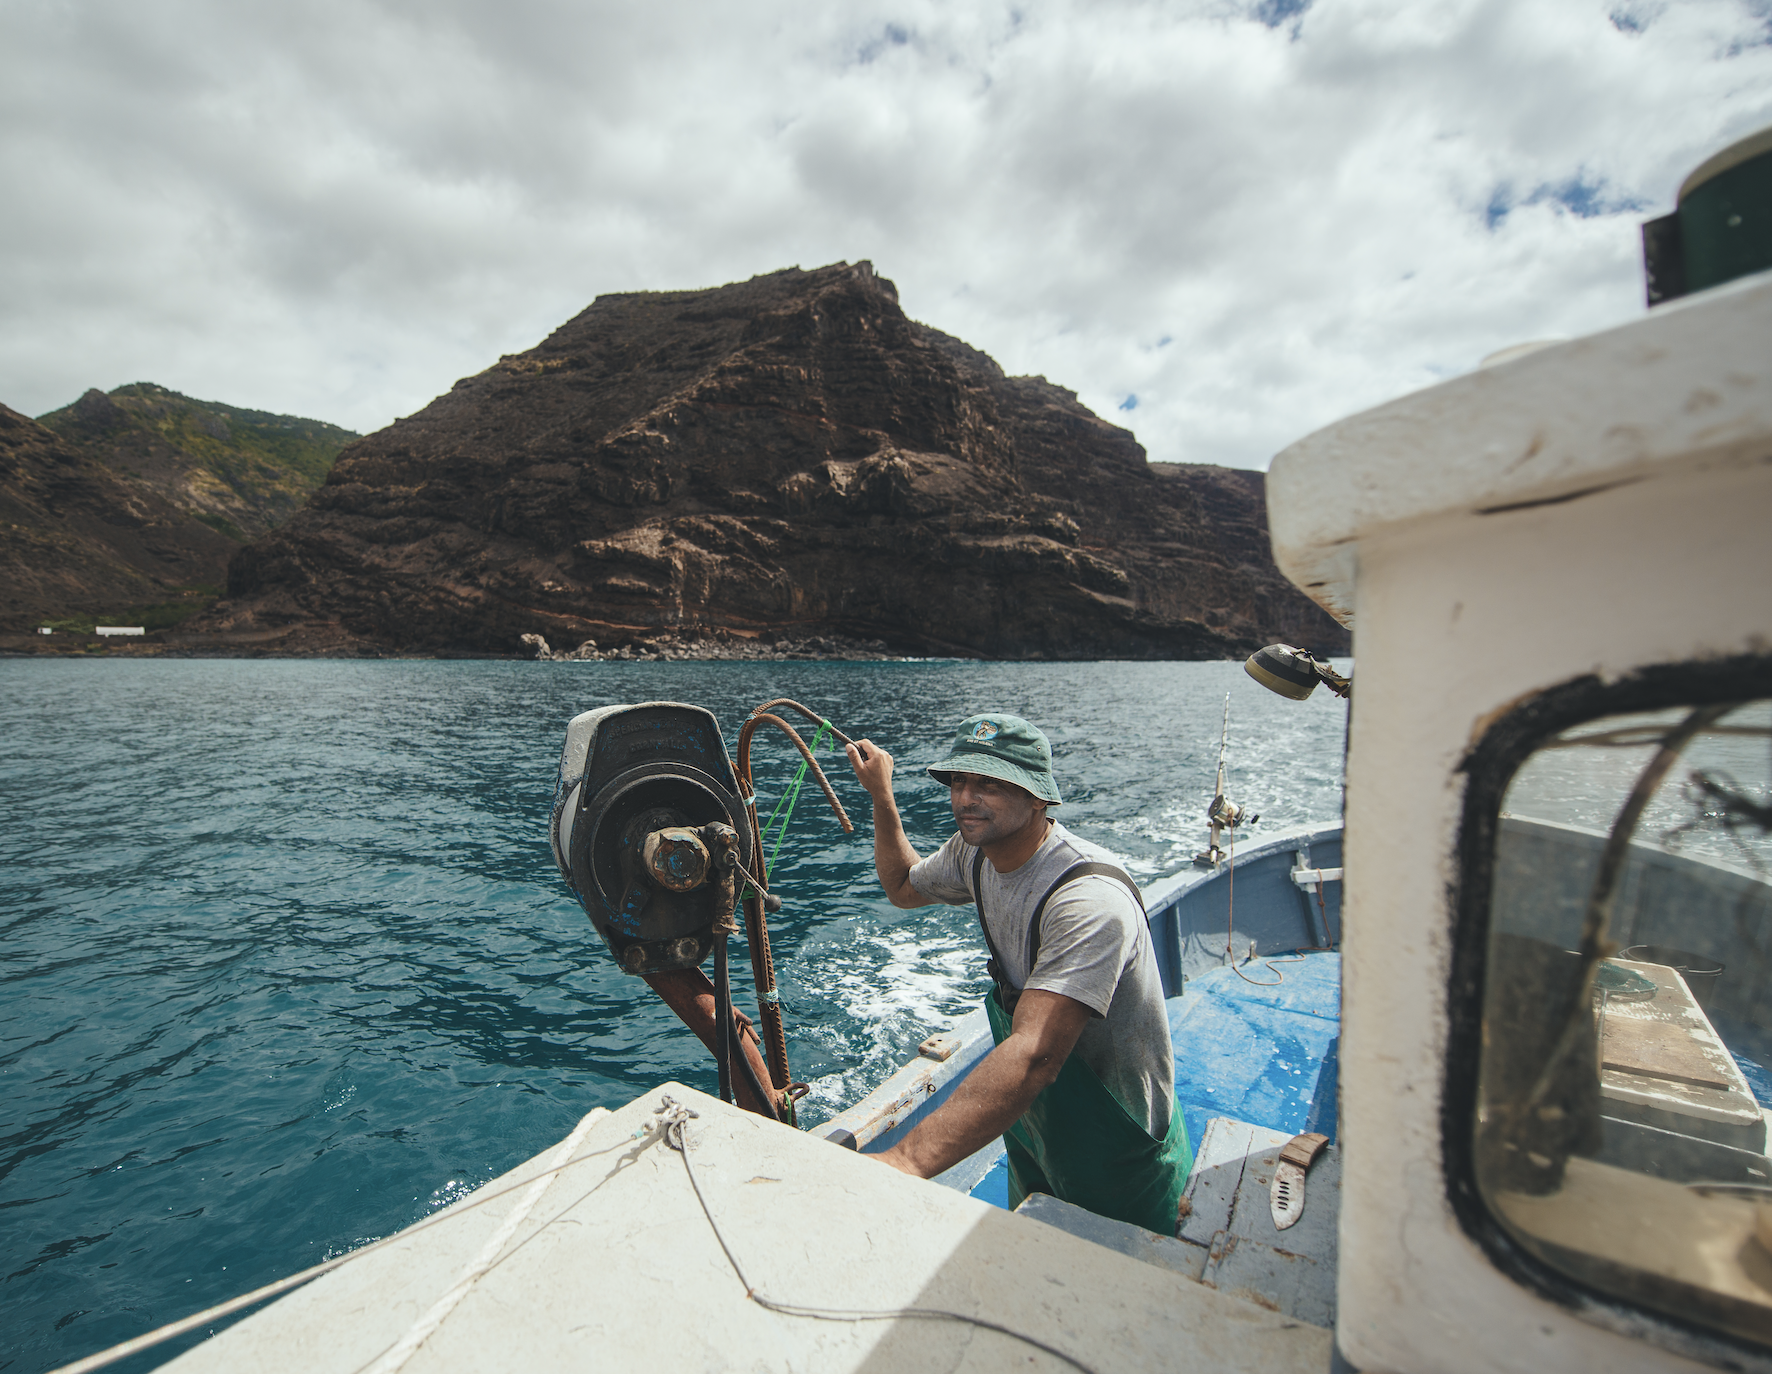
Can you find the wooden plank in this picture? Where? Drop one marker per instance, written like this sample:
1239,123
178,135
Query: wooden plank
1665,1048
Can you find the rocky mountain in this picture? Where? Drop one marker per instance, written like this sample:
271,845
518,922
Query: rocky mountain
776,460
78,542
241,472
126,508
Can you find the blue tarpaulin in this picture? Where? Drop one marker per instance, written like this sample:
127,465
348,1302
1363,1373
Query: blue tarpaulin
1751,1047
1265,1055
1262,1054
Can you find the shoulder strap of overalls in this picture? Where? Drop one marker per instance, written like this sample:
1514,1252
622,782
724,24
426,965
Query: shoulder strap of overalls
1071,874
994,966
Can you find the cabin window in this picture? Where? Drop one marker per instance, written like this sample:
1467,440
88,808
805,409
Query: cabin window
1624,1051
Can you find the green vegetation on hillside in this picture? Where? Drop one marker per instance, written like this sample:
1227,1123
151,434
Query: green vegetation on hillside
241,472
163,615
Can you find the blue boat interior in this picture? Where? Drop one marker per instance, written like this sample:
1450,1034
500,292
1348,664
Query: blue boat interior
1254,990
1255,1042
1251,969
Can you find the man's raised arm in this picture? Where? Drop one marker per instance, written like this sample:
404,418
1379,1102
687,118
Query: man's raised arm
893,855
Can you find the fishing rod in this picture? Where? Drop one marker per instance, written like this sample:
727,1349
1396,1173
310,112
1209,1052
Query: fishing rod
1223,814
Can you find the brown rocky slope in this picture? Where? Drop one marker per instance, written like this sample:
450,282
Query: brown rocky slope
77,541
785,457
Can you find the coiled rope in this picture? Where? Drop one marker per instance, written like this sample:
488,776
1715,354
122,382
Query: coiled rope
1230,925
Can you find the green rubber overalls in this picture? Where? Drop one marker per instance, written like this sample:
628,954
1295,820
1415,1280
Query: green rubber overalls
1077,1141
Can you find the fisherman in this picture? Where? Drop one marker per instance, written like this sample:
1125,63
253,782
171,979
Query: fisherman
1081,1082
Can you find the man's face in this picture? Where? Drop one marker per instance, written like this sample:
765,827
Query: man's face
989,809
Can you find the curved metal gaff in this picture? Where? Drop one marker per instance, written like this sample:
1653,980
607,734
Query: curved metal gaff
806,711
761,717
756,921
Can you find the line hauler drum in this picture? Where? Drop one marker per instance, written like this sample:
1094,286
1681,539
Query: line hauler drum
646,816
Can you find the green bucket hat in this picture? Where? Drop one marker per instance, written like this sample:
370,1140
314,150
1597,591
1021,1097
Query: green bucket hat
999,746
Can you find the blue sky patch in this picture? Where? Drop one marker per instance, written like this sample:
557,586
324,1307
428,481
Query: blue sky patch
1578,195
1274,13
892,36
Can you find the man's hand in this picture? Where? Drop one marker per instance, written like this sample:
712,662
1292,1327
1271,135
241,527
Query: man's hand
873,767
996,1093
893,855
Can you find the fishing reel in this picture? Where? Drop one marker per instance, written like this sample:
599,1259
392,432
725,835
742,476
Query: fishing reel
1294,673
1226,813
649,834
1225,816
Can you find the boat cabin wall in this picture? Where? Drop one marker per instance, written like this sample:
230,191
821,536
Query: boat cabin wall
1458,618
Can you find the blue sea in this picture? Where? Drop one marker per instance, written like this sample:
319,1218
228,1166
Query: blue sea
287,965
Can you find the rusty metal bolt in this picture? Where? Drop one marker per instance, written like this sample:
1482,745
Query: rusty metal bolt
676,858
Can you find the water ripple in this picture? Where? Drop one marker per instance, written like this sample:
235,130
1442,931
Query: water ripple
287,966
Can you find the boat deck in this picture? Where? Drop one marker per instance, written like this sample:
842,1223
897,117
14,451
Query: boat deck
761,1249
1263,1055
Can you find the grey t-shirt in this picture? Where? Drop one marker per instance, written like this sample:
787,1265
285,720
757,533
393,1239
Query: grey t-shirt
1095,947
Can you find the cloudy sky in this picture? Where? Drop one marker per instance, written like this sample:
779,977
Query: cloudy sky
1222,222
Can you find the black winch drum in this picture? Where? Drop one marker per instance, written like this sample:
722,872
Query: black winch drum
626,770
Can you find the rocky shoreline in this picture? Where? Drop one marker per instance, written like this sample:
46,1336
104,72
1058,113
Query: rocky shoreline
777,469
721,646
718,646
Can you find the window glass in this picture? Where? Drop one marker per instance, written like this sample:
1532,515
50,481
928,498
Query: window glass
1626,1062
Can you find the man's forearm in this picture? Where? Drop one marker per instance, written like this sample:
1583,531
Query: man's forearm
893,856
988,1102
993,1096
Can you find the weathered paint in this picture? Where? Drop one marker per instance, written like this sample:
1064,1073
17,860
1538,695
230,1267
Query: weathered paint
616,1266
1684,390
1264,1055
1457,615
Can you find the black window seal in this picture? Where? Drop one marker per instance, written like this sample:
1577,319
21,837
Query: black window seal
1489,767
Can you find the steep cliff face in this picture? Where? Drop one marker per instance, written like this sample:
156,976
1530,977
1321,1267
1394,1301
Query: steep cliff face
79,543
780,457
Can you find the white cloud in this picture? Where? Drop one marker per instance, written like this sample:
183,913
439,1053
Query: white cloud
1254,227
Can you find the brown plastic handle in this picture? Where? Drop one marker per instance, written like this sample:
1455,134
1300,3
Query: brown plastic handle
1302,1149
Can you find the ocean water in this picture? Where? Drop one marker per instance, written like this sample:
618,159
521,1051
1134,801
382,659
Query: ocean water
287,966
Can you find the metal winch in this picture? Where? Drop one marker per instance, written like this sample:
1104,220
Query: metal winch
655,830
649,832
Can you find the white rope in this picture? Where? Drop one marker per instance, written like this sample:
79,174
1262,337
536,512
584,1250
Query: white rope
197,1320
676,1117
420,1331
670,1130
